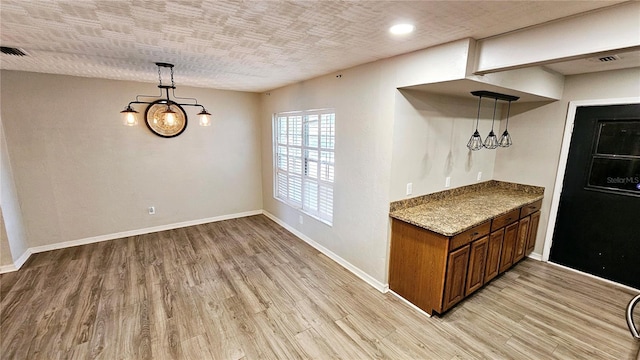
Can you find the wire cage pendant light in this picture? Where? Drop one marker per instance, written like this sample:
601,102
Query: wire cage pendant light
491,141
475,142
505,139
164,116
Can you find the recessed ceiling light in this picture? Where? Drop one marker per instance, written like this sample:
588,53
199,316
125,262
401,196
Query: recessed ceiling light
401,29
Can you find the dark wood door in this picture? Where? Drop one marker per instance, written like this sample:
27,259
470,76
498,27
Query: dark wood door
493,254
523,236
477,262
597,229
456,276
508,245
533,232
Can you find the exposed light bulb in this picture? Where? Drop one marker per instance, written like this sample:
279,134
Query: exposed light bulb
170,118
475,142
204,120
129,117
491,142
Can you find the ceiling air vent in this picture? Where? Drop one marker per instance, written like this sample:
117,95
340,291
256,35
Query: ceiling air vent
12,51
609,58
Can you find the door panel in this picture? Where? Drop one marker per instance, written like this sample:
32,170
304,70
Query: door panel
533,232
597,228
493,254
521,242
508,246
456,277
477,262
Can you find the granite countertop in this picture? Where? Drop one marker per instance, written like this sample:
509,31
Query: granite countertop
453,211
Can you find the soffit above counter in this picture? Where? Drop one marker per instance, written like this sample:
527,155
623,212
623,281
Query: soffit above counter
464,87
535,84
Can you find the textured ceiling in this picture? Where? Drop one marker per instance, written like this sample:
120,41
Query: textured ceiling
245,45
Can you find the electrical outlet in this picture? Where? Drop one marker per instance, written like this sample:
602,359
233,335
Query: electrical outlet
152,210
479,176
409,188
300,219
447,181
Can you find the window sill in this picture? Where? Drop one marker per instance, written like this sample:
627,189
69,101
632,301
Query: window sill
330,224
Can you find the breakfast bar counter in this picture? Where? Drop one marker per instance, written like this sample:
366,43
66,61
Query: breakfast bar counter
451,212
446,245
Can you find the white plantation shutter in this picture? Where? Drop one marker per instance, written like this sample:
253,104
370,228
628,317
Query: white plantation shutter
304,161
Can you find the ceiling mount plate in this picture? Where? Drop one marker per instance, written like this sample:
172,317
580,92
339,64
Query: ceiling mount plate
495,95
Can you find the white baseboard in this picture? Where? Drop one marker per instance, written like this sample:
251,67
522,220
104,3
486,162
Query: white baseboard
411,305
94,239
595,277
22,259
17,264
344,263
7,268
535,256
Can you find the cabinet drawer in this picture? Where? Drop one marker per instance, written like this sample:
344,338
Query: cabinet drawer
530,209
504,220
470,235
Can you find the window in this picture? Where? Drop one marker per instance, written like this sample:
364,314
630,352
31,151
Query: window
304,161
615,157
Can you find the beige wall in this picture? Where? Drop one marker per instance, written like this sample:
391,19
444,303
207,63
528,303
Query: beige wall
384,138
388,137
5,250
80,173
363,101
13,239
429,142
537,131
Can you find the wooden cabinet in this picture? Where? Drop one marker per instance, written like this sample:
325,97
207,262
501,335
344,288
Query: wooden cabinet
533,232
454,290
435,272
521,242
493,254
417,265
506,219
509,244
477,262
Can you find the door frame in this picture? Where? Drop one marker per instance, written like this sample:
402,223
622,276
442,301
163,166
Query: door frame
562,163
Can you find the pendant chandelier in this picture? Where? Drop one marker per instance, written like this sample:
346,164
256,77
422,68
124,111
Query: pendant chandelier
491,142
164,117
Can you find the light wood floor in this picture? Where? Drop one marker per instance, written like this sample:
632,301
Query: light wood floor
248,289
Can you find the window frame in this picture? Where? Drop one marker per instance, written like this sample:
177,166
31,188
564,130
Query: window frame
313,147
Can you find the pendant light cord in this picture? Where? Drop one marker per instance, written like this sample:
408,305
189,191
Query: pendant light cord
495,104
478,116
508,112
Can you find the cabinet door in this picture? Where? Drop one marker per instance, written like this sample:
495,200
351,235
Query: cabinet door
456,277
533,232
477,262
510,235
523,236
493,254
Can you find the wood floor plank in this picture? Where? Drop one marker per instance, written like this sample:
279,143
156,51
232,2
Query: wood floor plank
247,288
